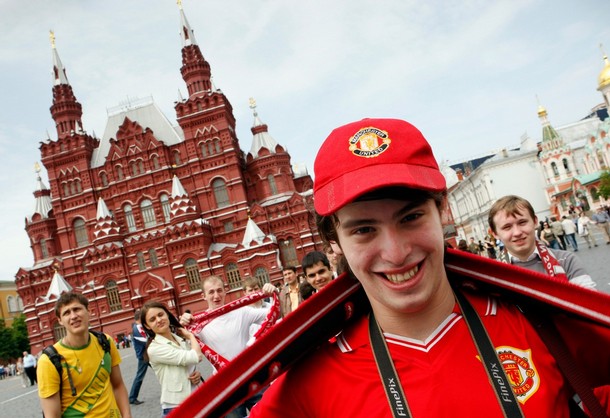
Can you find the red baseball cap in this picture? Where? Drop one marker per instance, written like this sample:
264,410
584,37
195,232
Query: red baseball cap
371,154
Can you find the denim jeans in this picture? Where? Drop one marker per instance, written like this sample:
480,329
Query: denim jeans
137,381
571,238
165,412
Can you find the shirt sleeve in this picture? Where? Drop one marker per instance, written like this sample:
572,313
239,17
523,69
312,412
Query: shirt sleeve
576,272
47,377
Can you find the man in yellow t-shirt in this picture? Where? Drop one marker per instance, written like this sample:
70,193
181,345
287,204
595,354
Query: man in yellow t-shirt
95,374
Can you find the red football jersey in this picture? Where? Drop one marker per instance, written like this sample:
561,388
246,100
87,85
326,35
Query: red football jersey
441,376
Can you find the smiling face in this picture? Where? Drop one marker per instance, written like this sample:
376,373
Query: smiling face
74,316
214,293
318,275
517,231
395,249
157,321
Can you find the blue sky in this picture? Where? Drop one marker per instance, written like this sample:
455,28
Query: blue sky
465,72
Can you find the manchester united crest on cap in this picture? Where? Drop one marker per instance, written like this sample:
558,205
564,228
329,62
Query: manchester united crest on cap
369,142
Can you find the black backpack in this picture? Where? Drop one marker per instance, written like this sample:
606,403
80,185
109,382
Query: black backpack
57,358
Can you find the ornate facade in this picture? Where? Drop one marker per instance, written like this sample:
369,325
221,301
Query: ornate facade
152,207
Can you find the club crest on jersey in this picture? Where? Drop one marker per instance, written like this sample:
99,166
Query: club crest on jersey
520,371
369,142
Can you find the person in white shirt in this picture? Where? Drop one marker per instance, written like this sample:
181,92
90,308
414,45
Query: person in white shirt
570,232
172,355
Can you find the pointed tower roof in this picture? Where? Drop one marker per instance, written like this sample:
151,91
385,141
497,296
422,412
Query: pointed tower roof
604,77
261,138
551,141
195,69
43,197
187,34
106,229
253,233
181,206
59,72
58,286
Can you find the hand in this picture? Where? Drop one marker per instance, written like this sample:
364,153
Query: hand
184,333
195,377
186,319
269,289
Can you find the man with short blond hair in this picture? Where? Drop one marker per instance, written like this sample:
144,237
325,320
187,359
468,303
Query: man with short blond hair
512,219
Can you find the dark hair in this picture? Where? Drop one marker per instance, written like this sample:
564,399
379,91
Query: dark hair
293,268
67,298
306,290
312,258
173,321
136,315
513,205
327,224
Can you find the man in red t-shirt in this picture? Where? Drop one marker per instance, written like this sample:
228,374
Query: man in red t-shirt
378,192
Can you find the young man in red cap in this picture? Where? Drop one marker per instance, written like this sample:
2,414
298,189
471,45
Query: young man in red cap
378,191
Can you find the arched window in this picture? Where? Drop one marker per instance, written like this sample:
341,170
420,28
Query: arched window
141,166
217,145
272,185
177,158
155,162
211,148
66,189
566,166
288,253
166,207
233,276
220,193
59,331
262,275
129,219
80,232
141,261
193,278
204,150
152,256
119,172
554,168
79,187
134,168
72,188
148,213
44,251
112,295
104,179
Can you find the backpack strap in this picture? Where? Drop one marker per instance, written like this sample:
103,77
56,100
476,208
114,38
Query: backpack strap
56,359
102,339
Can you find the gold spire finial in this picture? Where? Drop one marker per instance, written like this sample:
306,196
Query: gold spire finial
179,3
52,38
252,103
37,167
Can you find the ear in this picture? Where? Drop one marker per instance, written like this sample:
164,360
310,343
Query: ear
336,248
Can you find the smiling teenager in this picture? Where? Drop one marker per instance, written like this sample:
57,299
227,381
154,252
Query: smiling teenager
426,349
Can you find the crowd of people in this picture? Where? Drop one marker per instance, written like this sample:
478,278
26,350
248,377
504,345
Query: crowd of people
381,223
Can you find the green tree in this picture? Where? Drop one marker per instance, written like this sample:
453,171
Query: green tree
604,185
20,335
7,342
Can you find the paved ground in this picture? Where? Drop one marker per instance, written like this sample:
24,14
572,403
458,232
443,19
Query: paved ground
19,402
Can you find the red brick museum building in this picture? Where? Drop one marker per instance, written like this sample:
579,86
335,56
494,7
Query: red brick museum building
153,206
